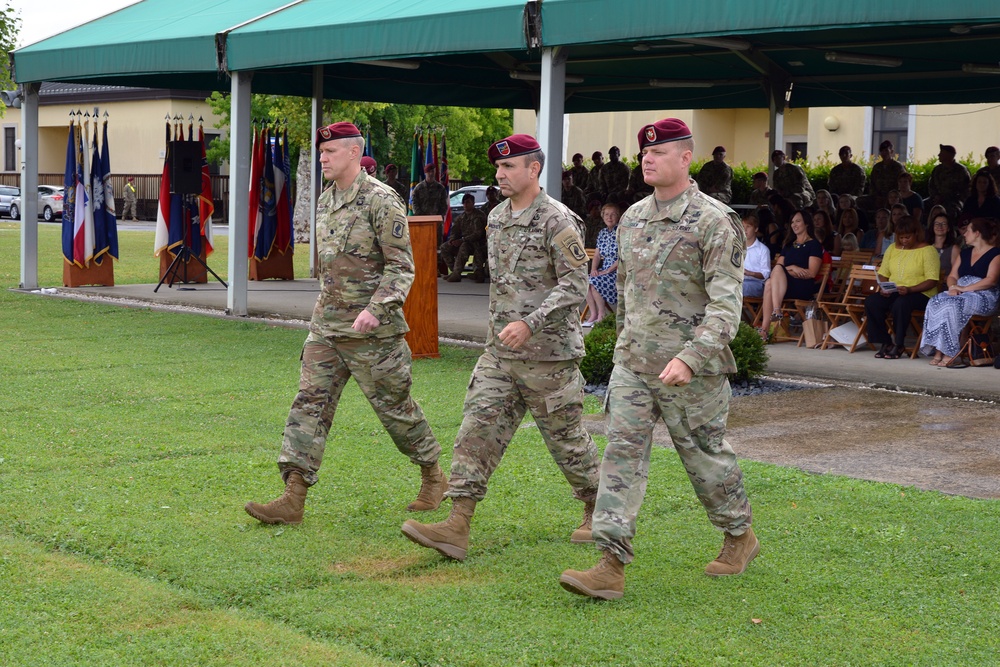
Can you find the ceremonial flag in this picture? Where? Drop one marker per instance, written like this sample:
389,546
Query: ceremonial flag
69,198
162,239
429,153
110,220
414,169
444,182
97,201
267,221
178,224
83,212
368,143
437,164
206,205
282,186
256,173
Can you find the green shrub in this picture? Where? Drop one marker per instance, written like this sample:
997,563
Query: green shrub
750,353
599,349
599,345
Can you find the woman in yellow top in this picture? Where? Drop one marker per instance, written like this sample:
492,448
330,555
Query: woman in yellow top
915,267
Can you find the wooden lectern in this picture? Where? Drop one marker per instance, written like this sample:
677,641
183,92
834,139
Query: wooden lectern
421,307
278,266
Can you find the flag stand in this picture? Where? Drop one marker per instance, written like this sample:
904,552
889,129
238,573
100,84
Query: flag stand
184,255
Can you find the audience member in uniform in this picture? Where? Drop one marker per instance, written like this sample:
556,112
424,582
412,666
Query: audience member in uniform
760,193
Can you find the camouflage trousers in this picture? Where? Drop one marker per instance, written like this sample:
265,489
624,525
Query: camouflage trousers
500,392
457,256
381,367
695,416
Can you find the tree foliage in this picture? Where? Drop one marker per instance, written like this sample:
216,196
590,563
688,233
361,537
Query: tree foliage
469,131
10,26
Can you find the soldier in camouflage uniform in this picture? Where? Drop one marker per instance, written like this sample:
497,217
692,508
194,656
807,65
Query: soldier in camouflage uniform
357,330
430,197
715,178
760,193
847,178
580,173
791,182
680,276
884,178
614,176
468,231
533,349
992,167
637,186
948,185
594,177
403,190
572,196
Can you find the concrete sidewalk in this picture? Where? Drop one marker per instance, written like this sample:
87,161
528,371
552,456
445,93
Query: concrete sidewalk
463,311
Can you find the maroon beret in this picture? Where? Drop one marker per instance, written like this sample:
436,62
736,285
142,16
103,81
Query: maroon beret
391,166
430,168
719,149
663,131
342,130
566,173
512,146
369,164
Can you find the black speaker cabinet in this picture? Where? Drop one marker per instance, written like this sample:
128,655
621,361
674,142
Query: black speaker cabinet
185,167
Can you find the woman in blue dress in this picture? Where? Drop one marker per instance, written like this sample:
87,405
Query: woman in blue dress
972,290
602,295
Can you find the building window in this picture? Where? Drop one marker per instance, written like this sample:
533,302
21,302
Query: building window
891,123
9,149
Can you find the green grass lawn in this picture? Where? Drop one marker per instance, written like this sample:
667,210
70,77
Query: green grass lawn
130,440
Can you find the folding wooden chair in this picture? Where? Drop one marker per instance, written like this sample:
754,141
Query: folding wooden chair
850,307
796,308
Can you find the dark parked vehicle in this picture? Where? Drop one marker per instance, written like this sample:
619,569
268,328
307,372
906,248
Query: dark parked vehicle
477,191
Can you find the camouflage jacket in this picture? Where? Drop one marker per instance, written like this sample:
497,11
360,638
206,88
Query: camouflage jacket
574,199
949,182
539,270
580,177
470,227
885,177
401,188
614,177
637,182
365,259
848,179
680,284
430,199
791,182
715,179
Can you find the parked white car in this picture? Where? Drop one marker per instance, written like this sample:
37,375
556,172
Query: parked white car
50,203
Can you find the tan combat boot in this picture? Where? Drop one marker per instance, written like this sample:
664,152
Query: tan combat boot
451,536
582,535
604,581
736,554
433,484
286,509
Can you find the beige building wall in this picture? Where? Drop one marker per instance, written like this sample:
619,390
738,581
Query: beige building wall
970,128
136,132
849,130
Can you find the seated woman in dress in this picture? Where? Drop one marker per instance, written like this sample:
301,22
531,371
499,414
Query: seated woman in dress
914,266
602,294
757,265
972,290
794,273
826,234
941,235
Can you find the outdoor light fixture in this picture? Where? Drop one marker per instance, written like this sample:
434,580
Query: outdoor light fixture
719,42
972,68
12,98
860,59
396,64
675,83
534,76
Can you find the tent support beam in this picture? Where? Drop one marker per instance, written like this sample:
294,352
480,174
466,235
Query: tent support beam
550,118
240,143
29,185
314,172
775,124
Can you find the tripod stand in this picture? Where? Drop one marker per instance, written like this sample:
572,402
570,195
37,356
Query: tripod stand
184,255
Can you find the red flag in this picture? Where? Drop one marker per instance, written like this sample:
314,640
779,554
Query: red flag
163,206
256,172
206,205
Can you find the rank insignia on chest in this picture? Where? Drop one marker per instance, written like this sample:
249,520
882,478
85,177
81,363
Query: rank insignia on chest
397,229
360,201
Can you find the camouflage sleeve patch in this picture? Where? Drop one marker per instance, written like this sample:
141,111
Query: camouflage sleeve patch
571,246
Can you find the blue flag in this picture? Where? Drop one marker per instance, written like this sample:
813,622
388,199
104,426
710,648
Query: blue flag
97,198
69,195
268,205
110,221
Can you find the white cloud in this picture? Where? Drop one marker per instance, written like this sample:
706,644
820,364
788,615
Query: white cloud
51,17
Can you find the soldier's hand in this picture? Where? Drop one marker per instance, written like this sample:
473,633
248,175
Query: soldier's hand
676,374
515,334
365,322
